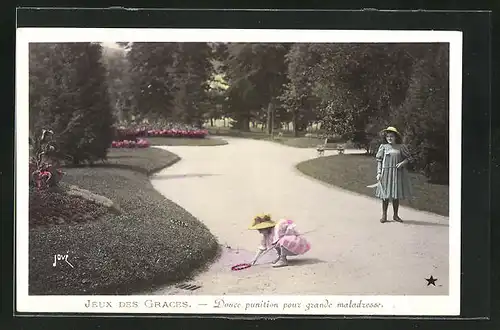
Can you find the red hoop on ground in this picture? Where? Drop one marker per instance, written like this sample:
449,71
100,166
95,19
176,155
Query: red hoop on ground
240,267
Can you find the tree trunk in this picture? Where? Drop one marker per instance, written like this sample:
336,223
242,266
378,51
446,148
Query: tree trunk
269,123
245,125
199,123
294,123
273,124
211,122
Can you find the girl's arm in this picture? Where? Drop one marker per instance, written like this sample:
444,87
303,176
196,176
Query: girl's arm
407,155
262,248
379,157
257,256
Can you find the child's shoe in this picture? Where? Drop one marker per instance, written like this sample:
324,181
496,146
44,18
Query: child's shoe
282,262
397,218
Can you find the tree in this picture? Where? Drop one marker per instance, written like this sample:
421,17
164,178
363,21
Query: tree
359,83
171,80
425,112
216,95
192,70
68,94
256,74
151,71
297,96
119,82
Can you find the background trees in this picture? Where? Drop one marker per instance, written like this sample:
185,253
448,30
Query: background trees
256,76
355,90
351,90
171,80
424,115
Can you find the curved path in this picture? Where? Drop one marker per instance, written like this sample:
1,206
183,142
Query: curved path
352,252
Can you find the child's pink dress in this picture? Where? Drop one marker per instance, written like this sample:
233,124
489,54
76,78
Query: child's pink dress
285,235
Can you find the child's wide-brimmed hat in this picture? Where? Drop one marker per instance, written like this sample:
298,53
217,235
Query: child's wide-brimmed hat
261,222
391,129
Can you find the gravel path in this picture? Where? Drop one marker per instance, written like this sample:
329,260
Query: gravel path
352,252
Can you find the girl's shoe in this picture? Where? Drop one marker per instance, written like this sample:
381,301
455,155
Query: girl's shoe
282,262
397,218
276,260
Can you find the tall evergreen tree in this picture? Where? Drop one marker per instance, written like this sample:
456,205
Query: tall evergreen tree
68,94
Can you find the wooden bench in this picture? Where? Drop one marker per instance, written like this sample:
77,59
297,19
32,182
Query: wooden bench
323,147
276,136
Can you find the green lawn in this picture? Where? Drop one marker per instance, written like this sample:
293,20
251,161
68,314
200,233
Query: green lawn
226,131
355,172
152,241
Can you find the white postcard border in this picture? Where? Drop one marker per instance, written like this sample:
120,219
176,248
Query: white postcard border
325,305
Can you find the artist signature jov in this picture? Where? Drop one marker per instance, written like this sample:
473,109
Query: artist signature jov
60,258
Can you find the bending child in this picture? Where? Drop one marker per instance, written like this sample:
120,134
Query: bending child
281,236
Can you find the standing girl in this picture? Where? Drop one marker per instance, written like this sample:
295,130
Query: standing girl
392,175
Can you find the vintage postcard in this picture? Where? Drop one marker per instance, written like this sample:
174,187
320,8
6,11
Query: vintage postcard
202,171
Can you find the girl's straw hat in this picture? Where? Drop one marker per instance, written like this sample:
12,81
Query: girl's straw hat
391,129
261,222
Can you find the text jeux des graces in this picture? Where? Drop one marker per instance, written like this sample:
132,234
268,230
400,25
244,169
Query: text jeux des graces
222,303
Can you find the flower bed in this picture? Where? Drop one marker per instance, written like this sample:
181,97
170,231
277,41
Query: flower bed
132,136
138,143
196,134
183,132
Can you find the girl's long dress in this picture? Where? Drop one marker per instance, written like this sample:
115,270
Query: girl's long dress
394,182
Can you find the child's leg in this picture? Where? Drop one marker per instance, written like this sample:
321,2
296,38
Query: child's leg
385,206
278,251
395,207
282,259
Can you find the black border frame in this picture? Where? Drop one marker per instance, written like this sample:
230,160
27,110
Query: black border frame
476,113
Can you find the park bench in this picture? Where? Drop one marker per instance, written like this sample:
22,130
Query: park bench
323,147
276,136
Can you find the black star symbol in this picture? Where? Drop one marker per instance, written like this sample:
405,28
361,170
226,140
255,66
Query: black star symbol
431,280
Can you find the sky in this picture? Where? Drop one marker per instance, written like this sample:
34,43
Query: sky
110,44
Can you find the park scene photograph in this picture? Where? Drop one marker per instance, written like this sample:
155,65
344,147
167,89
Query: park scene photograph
238,168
